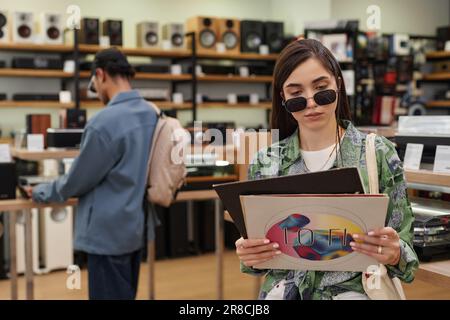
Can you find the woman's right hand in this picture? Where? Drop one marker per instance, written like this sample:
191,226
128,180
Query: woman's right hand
255,251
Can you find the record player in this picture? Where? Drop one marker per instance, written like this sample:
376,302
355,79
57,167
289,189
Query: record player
431,227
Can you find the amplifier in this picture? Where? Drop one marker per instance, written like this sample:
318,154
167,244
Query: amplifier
35,97
64,138
85,65
221,70
8,180
2,64
151,68
261,70
2,96
37,63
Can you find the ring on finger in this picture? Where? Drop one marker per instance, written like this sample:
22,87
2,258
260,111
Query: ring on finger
380,250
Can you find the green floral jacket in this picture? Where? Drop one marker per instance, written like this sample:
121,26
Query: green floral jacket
284,158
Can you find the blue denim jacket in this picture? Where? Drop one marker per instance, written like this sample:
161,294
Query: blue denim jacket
109,177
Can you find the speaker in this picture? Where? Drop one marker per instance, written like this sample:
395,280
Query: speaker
443,35
38,124
252,35
37,63
51,28
4,32
174,32
113,29
72,118
206,30
89,31
229,34
8,180
23,27
274,36
147,34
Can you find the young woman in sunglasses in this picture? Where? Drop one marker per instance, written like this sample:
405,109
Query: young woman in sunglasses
311,112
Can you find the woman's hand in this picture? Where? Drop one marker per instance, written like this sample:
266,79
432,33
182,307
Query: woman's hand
383,244
255,251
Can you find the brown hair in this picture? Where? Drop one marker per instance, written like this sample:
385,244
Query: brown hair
290,58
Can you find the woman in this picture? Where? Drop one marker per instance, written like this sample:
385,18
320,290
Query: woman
311,111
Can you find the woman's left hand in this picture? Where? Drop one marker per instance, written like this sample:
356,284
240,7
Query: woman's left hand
382,244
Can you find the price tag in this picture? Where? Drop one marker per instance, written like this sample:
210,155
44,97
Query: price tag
177,98
65,96
220,47
244,71
69,66
104,41
264,49
232,98
413,156
5,153
254,98
175,69
442,159
35,142
166,45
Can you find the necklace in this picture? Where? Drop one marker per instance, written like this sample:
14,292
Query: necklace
328,159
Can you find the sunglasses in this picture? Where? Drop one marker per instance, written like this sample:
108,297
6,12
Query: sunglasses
91,85
322,98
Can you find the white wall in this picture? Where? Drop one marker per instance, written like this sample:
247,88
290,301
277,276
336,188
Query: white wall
419,17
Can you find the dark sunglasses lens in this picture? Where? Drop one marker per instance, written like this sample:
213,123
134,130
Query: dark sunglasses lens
296,104
325,97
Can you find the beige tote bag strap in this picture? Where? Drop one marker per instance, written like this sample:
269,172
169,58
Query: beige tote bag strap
371,163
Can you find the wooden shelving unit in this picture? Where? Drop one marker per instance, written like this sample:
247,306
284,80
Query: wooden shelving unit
35,104
57,48
427,177
211,105
438,104
25,154
437,76
160,104
86,48
150,76
11,72
438,55
232,78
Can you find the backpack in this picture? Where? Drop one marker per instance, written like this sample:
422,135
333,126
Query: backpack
166,168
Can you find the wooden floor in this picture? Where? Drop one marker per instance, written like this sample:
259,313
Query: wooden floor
189,278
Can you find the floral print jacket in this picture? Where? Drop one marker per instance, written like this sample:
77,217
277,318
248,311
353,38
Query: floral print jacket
284,158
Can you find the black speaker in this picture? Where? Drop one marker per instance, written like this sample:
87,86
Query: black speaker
8,178
443,35
3,266
72,118
89,32
4,36
274,35
177,233
252,35
113,29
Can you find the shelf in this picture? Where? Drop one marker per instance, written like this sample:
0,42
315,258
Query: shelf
86,48
24,204
437,273
427,177
150,76
438,104
24,154
437,76
211,105
160,104
35,104
438,55
58,48
238,56
10,72
223,78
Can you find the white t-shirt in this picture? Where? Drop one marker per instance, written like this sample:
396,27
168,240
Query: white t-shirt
320,159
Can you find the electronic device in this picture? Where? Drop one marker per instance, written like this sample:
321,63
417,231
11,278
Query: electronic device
154,94
3,96
2,64
147,34
4,31
51,28
206,29
174,32
216,69
399,44
261,70
441,66
229,32
8,180
113,29
252,35
89,32
23,30
429,144
431,227
443,35
72,118
37,63
64,138
151,68
35,97
274,35
38,124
